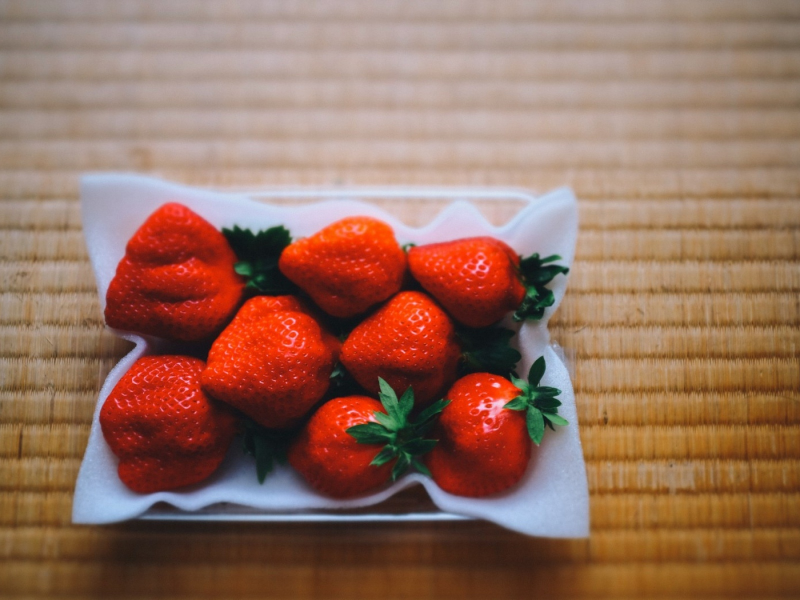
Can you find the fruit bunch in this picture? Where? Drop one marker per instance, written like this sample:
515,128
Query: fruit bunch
353,357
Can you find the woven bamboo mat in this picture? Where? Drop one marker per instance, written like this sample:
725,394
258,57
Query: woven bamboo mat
675,122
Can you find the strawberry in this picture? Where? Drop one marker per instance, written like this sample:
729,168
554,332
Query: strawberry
273,362
410,342
355,444
348,266
479,280
329,459
176,279
485,432
166,432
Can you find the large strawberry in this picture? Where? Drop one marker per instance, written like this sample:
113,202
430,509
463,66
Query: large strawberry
485,432
166,432
273,362
411,341
348,266
479,280
355,444
176,279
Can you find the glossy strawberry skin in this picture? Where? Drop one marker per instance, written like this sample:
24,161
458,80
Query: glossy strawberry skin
176,280
330,459
475,279
483,448
347,267
409,341
273,362
166,432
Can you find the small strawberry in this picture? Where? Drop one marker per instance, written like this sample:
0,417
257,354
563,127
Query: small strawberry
166,432
355,444
273,362
329,459
176,280
484,435
348,266
479,280
411,341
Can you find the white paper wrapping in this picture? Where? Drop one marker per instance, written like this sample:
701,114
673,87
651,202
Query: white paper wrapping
552,500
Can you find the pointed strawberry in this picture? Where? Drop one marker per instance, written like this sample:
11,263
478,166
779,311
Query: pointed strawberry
176,280
347,267
411,341
273,362
486,431
354,445
480,280
166,432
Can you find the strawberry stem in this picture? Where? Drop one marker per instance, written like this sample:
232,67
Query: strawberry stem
401,437
539,402
535,274
487,350
266,446
342,383
258,255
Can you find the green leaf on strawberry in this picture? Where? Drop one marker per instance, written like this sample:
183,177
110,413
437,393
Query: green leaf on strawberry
342,383
258,255
487,350
401,436
540,402
265,445
536,273
535,421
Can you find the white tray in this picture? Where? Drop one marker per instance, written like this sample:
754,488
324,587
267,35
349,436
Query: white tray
551,501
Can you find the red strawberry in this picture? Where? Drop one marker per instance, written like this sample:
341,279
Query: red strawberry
483,448
355,444
177,278
409,342
479,280
484,435
348,266
330,459
166,432
273,362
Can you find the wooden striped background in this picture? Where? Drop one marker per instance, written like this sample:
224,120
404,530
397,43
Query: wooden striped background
676,122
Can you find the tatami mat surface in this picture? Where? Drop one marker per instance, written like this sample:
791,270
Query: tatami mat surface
677,125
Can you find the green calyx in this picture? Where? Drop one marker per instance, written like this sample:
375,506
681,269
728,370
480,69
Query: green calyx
539,402
536,273
266,446
342,383
258,255
401,437
487,350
